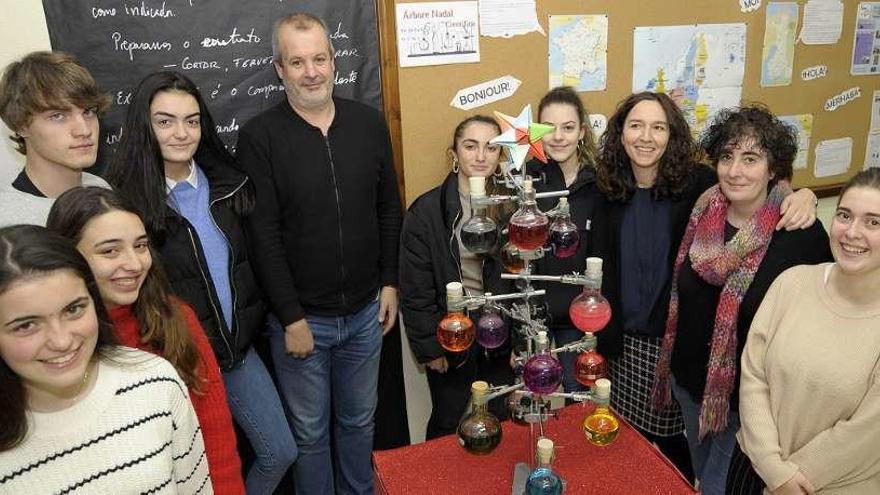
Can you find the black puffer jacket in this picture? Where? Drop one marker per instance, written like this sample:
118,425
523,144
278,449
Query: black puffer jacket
184,260
429,259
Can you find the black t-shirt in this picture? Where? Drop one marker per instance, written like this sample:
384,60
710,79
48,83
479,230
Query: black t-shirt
24,184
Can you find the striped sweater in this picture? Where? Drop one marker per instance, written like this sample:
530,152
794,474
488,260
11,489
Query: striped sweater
136,432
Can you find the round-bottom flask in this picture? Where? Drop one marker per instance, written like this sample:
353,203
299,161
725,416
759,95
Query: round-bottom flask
491,329
543,372
479,432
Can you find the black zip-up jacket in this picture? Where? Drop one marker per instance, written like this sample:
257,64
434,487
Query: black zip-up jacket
327,221
607,223
184,261
583,196
429,259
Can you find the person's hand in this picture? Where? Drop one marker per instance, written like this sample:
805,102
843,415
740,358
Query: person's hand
387,308
298,339
440,365
796,485
798,210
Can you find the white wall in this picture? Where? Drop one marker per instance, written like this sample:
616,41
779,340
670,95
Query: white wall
22,30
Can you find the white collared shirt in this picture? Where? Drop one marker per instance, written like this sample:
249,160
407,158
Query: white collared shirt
192,178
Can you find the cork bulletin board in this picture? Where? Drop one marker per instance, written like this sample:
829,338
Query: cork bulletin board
427,119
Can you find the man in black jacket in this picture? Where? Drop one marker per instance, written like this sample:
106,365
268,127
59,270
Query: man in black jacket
326,229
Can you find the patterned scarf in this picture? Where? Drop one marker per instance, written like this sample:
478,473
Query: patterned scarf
731,266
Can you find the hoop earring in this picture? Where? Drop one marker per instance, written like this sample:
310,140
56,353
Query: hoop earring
454,165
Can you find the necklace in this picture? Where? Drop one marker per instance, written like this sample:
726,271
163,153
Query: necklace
82,384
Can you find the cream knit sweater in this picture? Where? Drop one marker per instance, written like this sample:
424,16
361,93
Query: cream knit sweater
136,432
810,390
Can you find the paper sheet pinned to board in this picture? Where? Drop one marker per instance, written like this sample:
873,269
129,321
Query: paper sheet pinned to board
508,18
823,22
833,157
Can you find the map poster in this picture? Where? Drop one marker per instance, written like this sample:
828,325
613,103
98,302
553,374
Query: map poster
578,51
777,59
437,33
866,45
803,125
702,63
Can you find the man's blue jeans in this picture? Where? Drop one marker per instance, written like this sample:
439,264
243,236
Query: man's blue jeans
711,455
257,409
343,371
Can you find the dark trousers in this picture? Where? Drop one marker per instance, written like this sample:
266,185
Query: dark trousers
451,391
675,448
742,479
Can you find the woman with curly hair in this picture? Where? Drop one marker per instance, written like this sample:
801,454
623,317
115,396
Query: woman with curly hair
648,173
728,258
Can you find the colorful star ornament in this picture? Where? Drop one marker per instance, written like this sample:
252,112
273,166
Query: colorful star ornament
521,136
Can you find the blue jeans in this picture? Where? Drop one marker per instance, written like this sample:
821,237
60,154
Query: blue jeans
711,455
343,371
568,359
257,409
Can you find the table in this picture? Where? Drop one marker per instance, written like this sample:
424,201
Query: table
629,466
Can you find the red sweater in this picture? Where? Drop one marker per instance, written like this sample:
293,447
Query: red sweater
210,406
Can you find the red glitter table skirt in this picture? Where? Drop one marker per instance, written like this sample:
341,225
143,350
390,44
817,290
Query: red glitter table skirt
629,466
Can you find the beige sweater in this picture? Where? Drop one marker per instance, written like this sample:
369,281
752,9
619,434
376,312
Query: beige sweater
810,390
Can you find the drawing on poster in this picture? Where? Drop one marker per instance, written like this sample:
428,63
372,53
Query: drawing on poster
803,125
777,59
866,45
702,65
437,33
578,50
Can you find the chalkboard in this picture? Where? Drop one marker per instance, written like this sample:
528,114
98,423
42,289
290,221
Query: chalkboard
225,46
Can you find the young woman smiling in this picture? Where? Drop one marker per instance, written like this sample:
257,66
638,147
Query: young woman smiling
650,180
110,234
431,255
809,398
572,152
79,412
728,258
194,199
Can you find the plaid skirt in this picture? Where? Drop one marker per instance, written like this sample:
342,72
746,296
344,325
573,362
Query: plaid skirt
632,377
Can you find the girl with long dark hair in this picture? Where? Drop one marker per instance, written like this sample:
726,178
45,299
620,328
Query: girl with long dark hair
109,233
80,413
432,255
194,198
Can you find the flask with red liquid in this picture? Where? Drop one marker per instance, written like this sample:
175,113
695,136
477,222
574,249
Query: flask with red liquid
456,331
528,227
590,365
589,311
564,236
479,234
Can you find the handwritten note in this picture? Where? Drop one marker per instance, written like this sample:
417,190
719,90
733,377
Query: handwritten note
833,157
823,22
507,18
